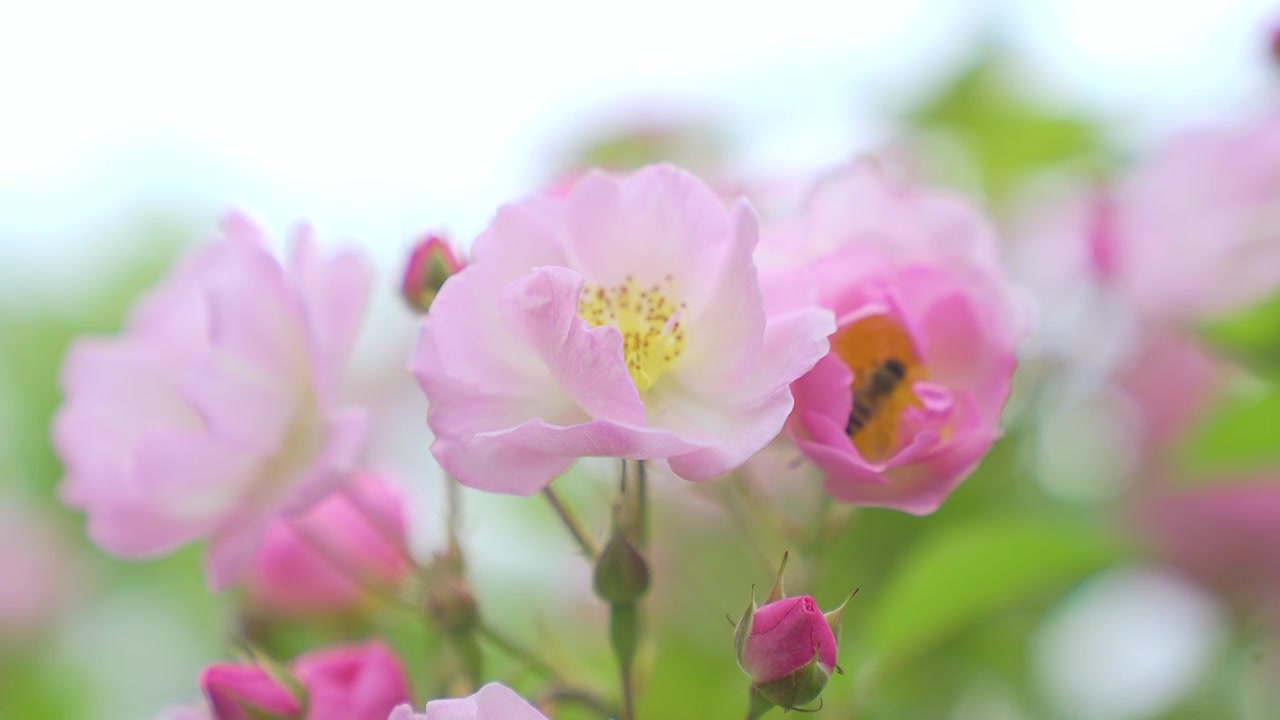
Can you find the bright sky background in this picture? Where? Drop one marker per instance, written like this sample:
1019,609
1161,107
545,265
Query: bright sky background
378,119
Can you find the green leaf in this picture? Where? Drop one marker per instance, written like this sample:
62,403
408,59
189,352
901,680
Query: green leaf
967,573
1251,335
1005,131
1240,434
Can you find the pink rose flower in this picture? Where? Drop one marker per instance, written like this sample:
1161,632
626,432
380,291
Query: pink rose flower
908,400
217,408
492,702
360,528
352,682
623,319
1199,222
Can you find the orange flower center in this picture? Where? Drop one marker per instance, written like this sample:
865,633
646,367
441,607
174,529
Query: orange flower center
885,369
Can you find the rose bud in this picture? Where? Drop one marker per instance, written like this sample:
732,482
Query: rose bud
431,263
788,647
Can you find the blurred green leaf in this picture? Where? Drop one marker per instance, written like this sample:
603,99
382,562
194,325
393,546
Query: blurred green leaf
1251,335
1242,433
34,687
1005,132
969,572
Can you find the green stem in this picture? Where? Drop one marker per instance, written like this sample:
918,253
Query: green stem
499,640
642,506
776,524
588,700
453,495
741,517
624,635
570,522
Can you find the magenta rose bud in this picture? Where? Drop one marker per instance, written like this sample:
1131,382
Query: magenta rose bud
786,636
788,647
241,692
431,263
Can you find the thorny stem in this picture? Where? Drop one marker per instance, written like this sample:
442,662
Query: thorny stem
571,523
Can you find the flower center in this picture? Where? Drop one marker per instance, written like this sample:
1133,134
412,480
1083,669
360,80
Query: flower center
652,336
885,369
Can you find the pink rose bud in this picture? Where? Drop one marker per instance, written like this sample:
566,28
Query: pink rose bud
431,263
245,692
788,648
352,682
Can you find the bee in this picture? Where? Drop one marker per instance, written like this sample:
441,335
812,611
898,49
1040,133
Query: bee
870,394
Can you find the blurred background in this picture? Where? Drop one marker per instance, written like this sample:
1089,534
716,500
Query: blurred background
128,128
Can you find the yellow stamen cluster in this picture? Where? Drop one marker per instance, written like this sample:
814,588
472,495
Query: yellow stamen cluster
650,323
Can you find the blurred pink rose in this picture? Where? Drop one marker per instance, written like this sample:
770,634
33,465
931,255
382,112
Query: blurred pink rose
352,682
492,702
623,319
1171,378
1226,534
41,573
1091,326
218,407
1199,222
288,573
909,399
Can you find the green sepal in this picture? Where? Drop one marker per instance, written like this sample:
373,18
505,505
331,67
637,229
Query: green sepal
282,677
743,630
834,617
798,688
778,592
759,705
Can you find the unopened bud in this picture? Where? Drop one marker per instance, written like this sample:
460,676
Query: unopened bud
431,263
621,573
799,687
788,646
